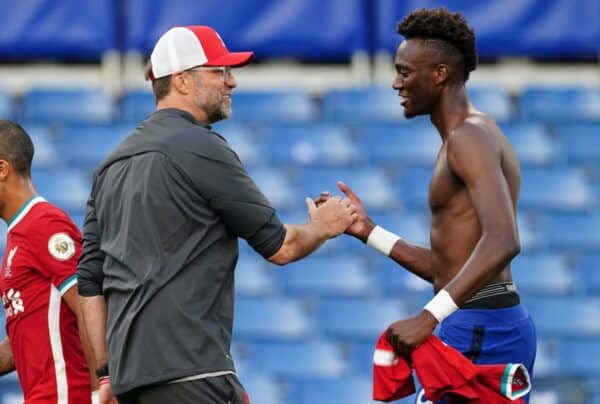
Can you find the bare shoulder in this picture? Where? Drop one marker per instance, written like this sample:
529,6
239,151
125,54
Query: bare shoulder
478,132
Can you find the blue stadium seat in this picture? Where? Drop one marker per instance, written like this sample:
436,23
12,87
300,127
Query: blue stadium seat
528,235
292,361
278,189
411,226
532,143
6,106
547,360
46,153
561,104
410,144
273,107
494,101
370,184
360,356
579,356
242,140
580,143
347,390
358,319
67,189
271,319
136,105
2,322
78,217
86,146
68,106
373,104
565,316
565,189
341,276
413,187
10,390
252,278
396,281
571,232
588,270
261,388
543,274
312,145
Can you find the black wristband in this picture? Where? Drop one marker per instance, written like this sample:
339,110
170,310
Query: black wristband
102,371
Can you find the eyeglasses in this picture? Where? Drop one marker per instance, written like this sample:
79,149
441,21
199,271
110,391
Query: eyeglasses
225,70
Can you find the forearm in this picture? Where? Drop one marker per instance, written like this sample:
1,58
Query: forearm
414,258
93,310
7,363
88,352
300,241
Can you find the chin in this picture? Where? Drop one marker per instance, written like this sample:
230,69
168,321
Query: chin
411,114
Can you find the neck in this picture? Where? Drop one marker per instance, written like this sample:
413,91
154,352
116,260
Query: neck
20,193
452,109
197,113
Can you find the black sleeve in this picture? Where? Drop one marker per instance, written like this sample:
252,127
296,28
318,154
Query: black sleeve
89,268
221,179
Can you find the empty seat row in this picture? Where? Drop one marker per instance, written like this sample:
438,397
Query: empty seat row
364,319
369,275
551,104
408,146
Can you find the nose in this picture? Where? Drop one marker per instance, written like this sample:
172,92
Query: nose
397,83
230,81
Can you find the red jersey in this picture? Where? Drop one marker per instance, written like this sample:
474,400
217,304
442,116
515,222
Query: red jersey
38,267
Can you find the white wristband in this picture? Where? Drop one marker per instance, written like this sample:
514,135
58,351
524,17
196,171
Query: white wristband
382,240
441,306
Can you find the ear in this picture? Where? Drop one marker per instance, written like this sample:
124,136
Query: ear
180,82
5,169
441,74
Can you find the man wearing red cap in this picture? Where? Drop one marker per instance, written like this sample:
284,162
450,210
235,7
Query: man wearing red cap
161,232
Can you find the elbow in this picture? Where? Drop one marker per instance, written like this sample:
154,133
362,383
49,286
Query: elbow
509,247
281,257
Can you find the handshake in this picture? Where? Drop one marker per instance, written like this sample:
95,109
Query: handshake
338,215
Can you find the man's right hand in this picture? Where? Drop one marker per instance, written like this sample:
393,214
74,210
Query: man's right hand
334,215
363,225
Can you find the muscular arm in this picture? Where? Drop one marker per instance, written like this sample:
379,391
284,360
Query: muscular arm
7,363
71,297
476,158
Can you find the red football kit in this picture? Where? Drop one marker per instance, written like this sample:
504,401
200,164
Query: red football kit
445,373
38,267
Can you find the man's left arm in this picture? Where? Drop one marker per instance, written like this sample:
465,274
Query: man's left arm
475,158
7,362
71,297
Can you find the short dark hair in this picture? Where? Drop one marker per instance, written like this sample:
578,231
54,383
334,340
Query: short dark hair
450,33
160,87
16,147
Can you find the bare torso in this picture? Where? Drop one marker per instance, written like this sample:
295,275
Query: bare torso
455,227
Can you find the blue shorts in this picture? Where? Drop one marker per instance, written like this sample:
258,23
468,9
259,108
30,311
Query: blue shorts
492,336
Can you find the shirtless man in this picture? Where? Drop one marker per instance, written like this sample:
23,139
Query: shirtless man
472,197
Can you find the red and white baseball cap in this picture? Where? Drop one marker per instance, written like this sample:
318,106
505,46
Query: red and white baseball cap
182,48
